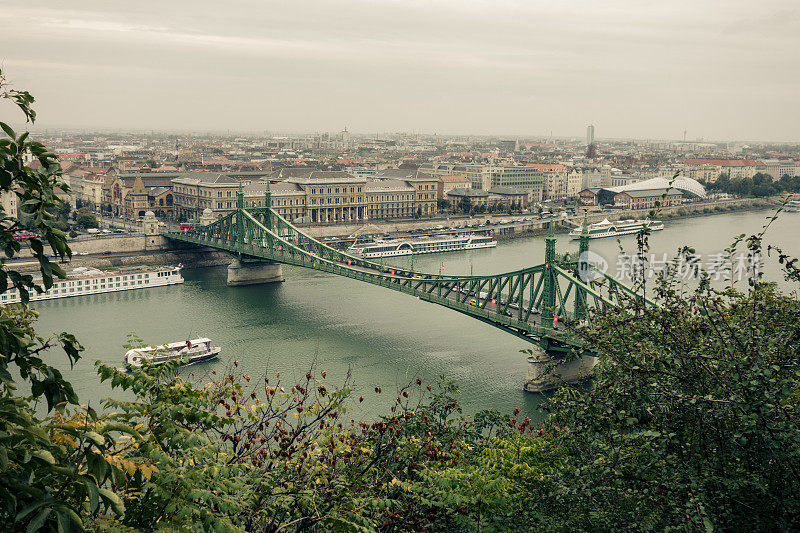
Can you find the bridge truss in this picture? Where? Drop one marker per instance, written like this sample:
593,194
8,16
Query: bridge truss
523,302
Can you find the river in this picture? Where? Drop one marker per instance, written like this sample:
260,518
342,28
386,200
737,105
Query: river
385,338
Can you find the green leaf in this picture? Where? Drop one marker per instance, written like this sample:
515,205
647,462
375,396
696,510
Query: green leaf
92,492
97,466
96,438
6,128
68,520
45,456
113,500
28,510
37,523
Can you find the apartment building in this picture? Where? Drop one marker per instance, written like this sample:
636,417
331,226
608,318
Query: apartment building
88,188
484,177
777,168
197,191
9,204
477,174
710,170
555,179
446,184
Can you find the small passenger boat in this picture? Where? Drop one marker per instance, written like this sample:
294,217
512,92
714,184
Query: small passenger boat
188,352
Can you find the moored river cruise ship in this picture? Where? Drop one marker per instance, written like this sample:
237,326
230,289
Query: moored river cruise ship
395,247
615,229
82,281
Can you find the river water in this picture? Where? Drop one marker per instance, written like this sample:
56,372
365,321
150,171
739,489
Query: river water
385,338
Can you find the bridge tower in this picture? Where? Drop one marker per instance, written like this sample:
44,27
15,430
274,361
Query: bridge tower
549,280
245,270
268,206
239,218
583,269
549,365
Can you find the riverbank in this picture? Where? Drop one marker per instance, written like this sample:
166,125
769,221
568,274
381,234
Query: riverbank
703,209
526,225
115,252
189,258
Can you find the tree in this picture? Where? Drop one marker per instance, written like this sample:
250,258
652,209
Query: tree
692,421
43,481
63,210
87,220
442,204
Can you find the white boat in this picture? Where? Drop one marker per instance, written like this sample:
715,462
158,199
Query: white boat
189,352
395,247
615,229
792,206
83,280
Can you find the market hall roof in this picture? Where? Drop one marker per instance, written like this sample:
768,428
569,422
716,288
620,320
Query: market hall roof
687,186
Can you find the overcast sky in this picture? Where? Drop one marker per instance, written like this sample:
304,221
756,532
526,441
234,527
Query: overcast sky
721,69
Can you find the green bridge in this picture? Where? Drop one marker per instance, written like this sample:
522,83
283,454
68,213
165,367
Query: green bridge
528,303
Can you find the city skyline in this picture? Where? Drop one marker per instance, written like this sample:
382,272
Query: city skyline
506,69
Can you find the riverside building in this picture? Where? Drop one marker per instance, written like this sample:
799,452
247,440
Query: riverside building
485,177
315,196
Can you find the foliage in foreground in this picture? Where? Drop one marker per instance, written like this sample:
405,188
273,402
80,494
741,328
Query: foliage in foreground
692,423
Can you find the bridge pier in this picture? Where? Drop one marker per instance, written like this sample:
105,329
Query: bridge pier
251,273
548,370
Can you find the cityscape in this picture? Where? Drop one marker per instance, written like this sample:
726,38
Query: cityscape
400,177
352,266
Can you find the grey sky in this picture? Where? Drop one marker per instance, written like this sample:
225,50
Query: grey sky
722,69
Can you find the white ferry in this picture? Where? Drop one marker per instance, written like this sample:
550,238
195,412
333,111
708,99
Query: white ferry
190,351
391,248
792,206
81,281
615,229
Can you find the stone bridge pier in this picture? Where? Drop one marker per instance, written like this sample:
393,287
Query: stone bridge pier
548,370
253,272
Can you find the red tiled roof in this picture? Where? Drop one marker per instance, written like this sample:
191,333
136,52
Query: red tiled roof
453,179
547,167
723,162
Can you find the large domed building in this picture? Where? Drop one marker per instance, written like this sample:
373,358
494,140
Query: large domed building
644,194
